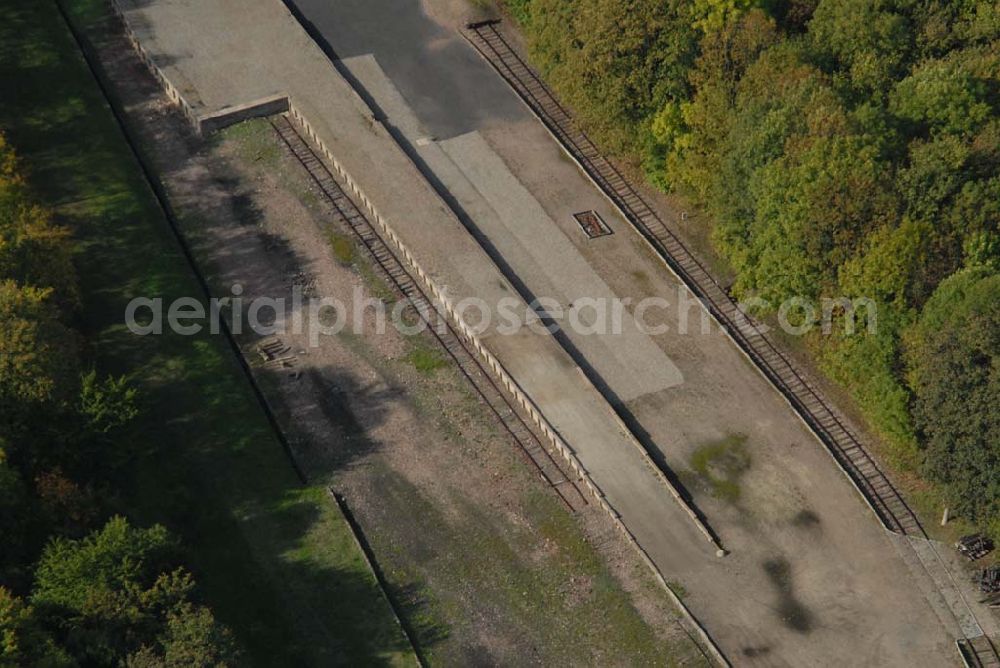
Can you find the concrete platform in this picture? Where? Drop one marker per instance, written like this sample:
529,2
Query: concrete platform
812,580
517,229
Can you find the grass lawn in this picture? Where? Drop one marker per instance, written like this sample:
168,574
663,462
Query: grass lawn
273,558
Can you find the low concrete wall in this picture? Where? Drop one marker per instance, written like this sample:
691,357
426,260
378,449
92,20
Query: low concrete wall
369,557
171,91
268,106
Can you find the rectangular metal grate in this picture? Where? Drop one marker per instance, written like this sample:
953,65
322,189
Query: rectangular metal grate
592,224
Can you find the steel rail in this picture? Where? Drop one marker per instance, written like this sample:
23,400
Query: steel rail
859,466
978,652
529,445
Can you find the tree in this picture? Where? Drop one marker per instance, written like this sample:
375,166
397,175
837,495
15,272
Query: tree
69,507
890,267
111,559
942,96
193,639
953,370
617,64
92,589
13,520
813,208
105,409
33,251
866,364
106,404
38,356
690,133
713,15
23,642
114,592
870,42
950,190
982,251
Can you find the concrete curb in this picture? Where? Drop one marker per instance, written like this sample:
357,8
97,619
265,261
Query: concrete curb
369,557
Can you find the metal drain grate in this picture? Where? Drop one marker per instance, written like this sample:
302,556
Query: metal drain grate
592,224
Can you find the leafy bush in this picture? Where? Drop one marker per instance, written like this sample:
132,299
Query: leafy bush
953,357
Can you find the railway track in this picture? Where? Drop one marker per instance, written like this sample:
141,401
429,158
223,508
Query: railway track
979,652
808,402
878,491
514,421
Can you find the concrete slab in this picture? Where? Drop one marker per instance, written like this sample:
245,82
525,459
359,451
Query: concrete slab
626,358
397,111
411,46
516,226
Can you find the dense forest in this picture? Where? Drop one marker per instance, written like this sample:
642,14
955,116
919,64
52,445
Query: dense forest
79,585
841,148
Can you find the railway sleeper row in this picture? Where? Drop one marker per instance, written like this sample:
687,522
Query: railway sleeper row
529,446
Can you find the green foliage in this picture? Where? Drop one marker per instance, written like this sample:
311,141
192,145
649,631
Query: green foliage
867,44
697,143
23,641
72,575
866,365
953,362
888,264
712,15
616,63
192,640
941,96
107,404
982,251
38,356
814,206
520,10
33,251
13,520
113,594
